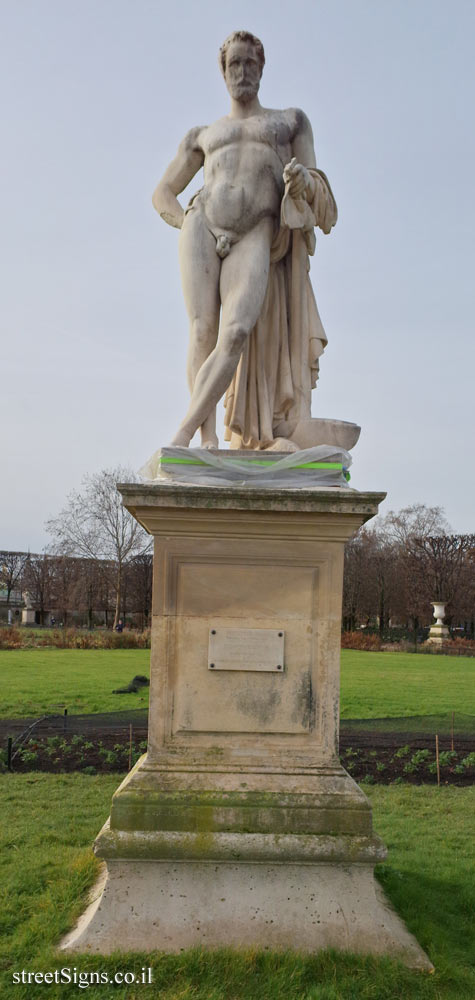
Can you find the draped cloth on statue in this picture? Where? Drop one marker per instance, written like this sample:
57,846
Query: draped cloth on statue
279,365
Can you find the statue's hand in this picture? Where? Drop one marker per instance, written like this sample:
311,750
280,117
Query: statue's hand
298,178
173,218
167,205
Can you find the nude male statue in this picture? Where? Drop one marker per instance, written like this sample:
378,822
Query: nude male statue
228,229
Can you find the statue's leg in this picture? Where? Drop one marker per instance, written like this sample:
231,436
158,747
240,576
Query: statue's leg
244,276
200,270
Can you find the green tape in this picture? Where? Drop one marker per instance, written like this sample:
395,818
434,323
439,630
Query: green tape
320,465
231,461
169,460
181,461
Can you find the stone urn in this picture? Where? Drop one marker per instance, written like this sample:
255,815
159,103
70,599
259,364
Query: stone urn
439,611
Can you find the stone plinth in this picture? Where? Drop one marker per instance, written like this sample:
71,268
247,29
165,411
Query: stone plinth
240,827
439,633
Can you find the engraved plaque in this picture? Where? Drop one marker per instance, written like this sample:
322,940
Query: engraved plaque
246,649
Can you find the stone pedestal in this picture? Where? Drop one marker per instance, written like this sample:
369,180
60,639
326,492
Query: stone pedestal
439,633
240,827
28,616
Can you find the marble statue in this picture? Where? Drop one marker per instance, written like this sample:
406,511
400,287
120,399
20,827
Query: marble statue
246,236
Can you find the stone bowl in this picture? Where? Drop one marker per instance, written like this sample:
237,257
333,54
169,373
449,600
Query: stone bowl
320,430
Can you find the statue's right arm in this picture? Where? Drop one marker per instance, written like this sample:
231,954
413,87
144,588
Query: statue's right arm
187,162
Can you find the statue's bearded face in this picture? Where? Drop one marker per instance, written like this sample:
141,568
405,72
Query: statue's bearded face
243,71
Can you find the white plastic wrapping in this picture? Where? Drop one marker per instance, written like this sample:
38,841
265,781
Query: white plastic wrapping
324,465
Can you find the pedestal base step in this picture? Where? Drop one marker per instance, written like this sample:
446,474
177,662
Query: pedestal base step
170,906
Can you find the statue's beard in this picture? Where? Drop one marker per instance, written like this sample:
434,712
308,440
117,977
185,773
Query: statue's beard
244,92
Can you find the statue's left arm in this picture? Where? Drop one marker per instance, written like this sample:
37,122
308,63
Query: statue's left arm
302,182
308,199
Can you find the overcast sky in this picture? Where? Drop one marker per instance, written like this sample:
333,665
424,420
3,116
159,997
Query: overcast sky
96,97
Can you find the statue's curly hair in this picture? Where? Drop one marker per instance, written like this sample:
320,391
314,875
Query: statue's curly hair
241,36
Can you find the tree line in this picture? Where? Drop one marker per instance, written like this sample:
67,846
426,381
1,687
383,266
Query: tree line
79,590
400,564
99,565
99,561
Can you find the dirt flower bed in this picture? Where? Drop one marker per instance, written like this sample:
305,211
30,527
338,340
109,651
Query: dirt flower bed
408,763
386,765
60,754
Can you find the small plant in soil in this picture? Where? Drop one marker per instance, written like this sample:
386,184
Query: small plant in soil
418,758
466,763
446,759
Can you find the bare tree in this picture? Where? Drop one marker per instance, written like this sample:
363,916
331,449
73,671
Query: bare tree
415,521
464,601
94,524
65,572
401,533
402,563
139,576
443,560
359,590
91,588
39,582
370,581
12,566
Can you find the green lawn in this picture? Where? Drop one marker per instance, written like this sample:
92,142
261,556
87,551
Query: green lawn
373,685
47,866
37,682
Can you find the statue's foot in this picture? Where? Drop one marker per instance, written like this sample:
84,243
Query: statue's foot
182,439
282,444
209,441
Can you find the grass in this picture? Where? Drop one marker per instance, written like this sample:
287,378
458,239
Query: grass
375,685
37,682
47,866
